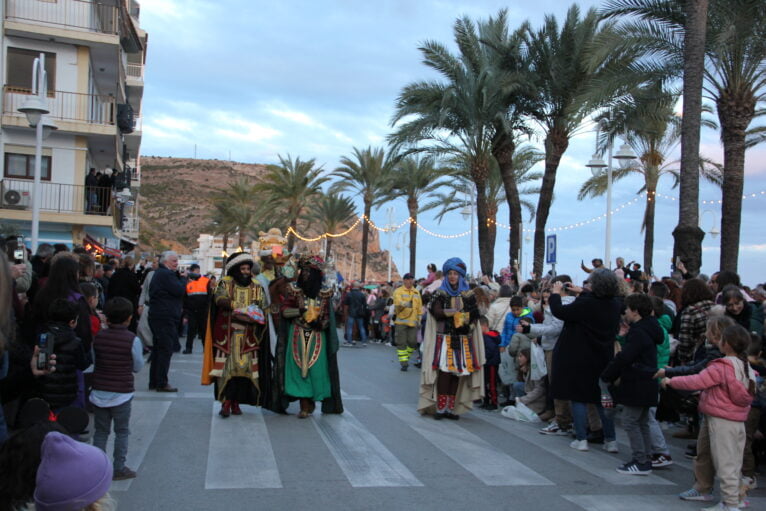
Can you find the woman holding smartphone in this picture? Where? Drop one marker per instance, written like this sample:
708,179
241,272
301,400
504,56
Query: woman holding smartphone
452,377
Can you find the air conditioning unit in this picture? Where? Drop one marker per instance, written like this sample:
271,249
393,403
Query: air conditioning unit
16,199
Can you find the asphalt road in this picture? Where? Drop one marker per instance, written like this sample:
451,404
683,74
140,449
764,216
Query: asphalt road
379,455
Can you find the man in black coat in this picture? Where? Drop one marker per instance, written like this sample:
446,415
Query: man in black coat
166,296
637,391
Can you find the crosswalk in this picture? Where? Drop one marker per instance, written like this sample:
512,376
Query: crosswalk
378,445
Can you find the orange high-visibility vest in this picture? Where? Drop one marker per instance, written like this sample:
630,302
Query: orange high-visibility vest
197,287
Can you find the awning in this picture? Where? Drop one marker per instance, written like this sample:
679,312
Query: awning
94,246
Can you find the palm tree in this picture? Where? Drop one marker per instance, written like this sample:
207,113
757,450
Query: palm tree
332,213
367,172
455,116
567,77
461,187
736,80
415,179
651,128
672,35
235,210
292,185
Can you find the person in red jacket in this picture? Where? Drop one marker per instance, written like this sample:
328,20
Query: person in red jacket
728,387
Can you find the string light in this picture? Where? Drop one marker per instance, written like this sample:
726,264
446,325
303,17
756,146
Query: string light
393,228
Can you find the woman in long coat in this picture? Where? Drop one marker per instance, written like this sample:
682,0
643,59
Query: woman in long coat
585,347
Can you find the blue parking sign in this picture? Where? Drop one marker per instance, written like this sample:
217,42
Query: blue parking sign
550,249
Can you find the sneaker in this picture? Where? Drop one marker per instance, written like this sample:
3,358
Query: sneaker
554,429
744,503
661,460
635,468
579,445
720,507
403,368
693,494
691,452
611,446
125,473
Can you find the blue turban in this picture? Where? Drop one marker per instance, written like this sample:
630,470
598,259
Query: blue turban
457,264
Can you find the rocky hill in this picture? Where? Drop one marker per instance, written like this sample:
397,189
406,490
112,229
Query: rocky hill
175,202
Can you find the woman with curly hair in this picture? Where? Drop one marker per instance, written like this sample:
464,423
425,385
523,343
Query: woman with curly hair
696,301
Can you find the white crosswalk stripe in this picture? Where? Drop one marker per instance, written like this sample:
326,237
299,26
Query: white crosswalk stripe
365,461
595,462
240,453
474,454
145,419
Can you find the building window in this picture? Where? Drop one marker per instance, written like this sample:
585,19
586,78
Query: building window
19,70
22,166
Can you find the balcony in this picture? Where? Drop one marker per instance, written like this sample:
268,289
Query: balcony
58,201
85,15
136,71
65,20
90,113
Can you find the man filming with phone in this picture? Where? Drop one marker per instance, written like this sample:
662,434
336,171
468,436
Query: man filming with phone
21,269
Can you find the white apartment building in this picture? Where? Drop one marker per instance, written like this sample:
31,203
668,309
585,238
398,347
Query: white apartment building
95,53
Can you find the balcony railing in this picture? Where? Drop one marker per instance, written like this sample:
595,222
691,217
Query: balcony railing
136,71
84,15
67,106
56,197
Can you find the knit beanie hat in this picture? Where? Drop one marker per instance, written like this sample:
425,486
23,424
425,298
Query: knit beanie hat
71,475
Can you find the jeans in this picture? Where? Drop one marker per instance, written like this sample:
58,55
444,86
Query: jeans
102,419
580,419
359,325
635,420
659,446
165,334
518,389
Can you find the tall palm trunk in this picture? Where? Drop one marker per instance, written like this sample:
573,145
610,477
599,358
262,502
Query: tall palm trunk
651,200
556,143
225,241
735,111
479,172
365,237
292,238
688,235
241,239
503,147
412,206
328,248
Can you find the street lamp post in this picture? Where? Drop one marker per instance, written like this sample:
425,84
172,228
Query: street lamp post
35,109
390,211
467,213
596,165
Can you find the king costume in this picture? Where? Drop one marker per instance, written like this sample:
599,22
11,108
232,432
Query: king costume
306,354
452,377
237,356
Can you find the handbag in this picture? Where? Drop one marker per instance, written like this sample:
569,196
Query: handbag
143,331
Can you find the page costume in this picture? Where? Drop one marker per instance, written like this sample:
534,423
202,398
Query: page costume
452,377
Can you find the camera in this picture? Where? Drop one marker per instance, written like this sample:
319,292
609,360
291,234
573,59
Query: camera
18,254
45,345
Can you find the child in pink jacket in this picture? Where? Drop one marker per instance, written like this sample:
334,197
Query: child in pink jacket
727,386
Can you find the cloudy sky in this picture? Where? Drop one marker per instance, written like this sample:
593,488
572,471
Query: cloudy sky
253,79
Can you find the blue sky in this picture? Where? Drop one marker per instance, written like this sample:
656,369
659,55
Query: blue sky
253,79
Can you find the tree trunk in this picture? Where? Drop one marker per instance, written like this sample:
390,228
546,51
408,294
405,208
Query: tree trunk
503,147
365,237
412,206
556,143
291,239
327,248
225,241
241,239
735,111
651,200
688,236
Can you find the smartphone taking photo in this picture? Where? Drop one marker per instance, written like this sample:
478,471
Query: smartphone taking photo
45,346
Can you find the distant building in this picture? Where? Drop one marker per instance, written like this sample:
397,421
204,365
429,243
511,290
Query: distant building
94,59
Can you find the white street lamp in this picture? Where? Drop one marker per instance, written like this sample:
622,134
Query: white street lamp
35,109
596,164
714,230
390,211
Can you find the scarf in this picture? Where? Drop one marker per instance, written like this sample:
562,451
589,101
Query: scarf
458,265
